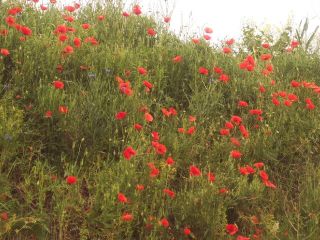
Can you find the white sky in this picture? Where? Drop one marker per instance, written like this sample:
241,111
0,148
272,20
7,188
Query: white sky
226,17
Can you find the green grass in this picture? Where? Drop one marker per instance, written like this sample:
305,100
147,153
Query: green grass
38,153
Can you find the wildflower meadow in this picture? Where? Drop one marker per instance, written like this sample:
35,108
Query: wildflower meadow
114,127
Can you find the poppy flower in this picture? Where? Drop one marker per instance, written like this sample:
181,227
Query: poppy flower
142,71
129,152
266,57
122,198
235,142
125,14
211,177
4,51
121,115
71,180
294,44
161,149
203,71
194,171
70,8
196,40
139,187
192,118
232,229
63,109
86,26
48,114
68,50
77,42
224,78
235,154
127,217
170,161
236,119
230,42
243,104
224,132
148,84
265,45
191,130
138,127
164,222
227,50
26,31
207,37
169,192
177,59
101,17
58,84
258,164
167,19
4,216
208,30
136,10
218,70
151,32
148,117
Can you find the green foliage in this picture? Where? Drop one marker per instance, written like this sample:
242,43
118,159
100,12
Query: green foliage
41,145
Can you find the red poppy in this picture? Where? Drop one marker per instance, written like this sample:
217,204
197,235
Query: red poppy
58,84
236,119
169,192
77,42
48,114
170,161
258,164
125,14
122,198
228,125
164,222
4,51
26,31
243,104
148,117
194,171
265,45
235,154
224,78
127,217
129,152
187,231
211,177
142,71
227,50
139,187
208,30
232,229
235,142
68,50
265,57
86,26
147,84
136,10
230,42
151,32
177,59
138,127
121,115
4,216
167,19
71,180
203,71
63,109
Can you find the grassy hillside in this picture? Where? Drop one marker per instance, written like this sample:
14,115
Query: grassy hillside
111,127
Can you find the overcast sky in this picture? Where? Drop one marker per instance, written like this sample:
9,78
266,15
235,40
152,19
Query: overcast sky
226,17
